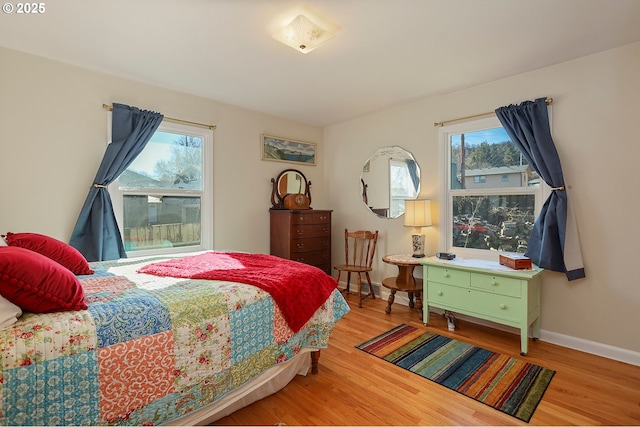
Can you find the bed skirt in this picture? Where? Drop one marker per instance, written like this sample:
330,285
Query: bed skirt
265,384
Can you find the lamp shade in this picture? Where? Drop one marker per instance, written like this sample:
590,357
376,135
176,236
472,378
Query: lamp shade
417,213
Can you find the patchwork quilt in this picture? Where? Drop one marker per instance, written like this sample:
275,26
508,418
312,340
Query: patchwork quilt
148,349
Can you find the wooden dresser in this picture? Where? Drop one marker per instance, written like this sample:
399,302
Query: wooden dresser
302,235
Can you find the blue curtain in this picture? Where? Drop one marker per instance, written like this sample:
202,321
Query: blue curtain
554,243
413,173
96,234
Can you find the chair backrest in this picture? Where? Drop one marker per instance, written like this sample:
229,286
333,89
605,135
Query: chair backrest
360,247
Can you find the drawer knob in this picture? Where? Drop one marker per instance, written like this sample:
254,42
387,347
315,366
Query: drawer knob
446,274
503,307
494,283
440,293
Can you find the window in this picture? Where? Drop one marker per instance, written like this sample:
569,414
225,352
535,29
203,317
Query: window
161,200
491,195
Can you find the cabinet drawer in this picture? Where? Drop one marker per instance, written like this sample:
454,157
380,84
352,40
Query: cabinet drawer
499,285
322,217
448,276
496,306
306,245
311,230
311,218
316,258
453,296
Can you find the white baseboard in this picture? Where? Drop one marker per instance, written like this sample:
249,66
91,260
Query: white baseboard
592,347
580,344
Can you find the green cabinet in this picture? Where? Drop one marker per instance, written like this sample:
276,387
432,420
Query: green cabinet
486,290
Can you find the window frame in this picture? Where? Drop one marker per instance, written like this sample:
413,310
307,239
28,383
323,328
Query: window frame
446,194
206,194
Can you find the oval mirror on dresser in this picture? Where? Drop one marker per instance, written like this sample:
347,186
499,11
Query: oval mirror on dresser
388,177
290,184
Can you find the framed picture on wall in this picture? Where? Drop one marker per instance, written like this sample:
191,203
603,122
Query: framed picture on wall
288,150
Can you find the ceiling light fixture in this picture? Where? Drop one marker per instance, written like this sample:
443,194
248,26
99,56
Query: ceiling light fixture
303,35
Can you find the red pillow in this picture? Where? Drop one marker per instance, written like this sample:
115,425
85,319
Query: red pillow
38,284
58,251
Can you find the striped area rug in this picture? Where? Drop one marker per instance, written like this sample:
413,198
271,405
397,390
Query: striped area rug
507,384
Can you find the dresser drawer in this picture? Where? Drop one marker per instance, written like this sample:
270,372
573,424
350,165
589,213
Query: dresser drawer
319,259
496,284
448,276
313,244
496,306
310,230
453,296
322,217
310,217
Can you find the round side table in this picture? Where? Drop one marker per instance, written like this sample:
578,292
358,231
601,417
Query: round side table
404,281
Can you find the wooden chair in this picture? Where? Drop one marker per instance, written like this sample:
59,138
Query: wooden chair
359,248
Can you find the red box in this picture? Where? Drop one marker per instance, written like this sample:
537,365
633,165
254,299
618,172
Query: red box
516,261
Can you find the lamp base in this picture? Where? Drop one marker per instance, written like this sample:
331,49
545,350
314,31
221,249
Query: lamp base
417,241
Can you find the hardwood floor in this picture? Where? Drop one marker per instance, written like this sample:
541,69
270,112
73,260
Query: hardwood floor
355,388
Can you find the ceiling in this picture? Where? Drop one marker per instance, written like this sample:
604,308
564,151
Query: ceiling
386,52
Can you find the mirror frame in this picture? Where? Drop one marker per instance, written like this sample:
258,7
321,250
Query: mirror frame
385,152
277,198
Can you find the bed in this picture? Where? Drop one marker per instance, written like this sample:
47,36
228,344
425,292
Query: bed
159,343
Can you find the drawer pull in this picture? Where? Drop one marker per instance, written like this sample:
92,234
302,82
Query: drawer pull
503,307
494,283
447,274
300,231
300,245
440,293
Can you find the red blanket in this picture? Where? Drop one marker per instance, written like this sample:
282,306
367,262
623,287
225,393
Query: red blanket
298,289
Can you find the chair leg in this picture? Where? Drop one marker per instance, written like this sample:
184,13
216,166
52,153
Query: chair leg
348,280
371,294
359,291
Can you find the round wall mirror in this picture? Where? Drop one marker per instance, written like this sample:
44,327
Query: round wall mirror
389,176
289,181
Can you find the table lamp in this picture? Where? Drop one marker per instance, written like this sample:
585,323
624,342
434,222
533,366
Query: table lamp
417,213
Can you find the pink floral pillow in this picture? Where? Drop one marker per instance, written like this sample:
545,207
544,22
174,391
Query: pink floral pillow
38,284
57,250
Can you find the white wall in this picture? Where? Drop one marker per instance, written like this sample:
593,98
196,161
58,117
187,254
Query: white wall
595,114
53,136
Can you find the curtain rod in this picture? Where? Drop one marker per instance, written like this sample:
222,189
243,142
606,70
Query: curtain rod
439,124
110,108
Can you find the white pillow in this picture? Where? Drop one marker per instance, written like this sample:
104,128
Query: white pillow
9,313
3,242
